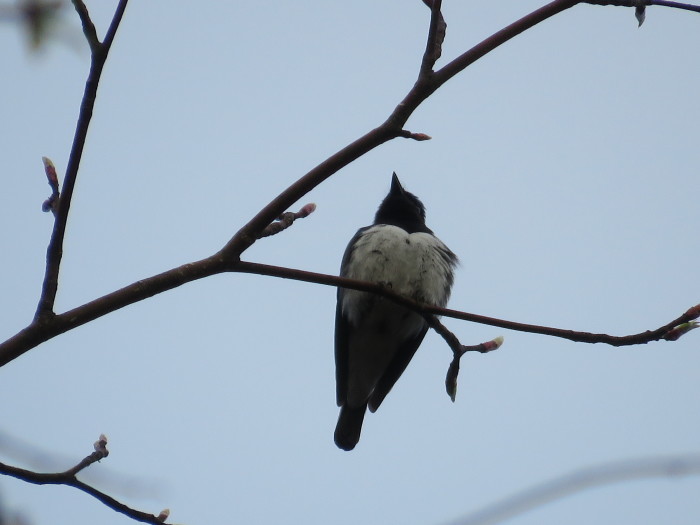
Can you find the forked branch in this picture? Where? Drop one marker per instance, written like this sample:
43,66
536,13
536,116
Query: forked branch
69,478
54,253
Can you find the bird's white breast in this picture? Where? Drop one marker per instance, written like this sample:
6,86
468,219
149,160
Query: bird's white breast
411,264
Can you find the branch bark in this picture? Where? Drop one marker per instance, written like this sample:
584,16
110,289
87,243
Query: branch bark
69,479
637,3
54,253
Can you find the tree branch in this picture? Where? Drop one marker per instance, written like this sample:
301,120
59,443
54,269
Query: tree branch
113,26
501,37
69,479
423,309
40,331
636,3
89,29
436,36
458,350
54,252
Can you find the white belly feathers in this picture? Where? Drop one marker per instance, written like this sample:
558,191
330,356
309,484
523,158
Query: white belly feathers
417,265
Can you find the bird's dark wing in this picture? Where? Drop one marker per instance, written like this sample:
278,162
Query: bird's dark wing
342,327
341,352
403,356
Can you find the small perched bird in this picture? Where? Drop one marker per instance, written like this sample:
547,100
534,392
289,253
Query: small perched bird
376,338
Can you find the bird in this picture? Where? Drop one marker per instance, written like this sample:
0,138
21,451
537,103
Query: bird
376,338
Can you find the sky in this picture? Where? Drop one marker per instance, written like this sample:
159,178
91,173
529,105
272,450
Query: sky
562,171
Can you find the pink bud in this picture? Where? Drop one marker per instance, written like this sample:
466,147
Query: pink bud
50,171
306,210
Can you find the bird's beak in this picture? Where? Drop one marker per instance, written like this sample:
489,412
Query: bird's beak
396,185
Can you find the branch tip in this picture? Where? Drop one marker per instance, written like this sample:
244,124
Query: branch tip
677,331
490,346
101,446
88,26
436,36
51,204
451,379
285,220
415,136
693,313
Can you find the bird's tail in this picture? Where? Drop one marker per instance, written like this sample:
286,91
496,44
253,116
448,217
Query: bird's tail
347,431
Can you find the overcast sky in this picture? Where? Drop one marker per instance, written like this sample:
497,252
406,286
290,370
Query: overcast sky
563,172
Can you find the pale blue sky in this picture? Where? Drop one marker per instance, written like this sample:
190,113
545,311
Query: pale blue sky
562,170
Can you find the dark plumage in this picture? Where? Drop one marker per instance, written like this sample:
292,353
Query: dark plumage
375,338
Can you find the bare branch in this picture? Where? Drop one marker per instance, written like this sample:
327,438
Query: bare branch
580,480
423,309
69,479
54,252
113,26
677,5
41,330
504,35
458,350
637,3
88,26
101,452
436,36
45,329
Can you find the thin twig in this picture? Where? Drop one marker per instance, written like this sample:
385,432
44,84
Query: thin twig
100,452
677,5
61,478
54,252
458,350
436,36
68,478
581,337
501,37
113,26
636,3
88,26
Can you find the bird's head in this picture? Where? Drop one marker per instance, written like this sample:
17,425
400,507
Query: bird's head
401,208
